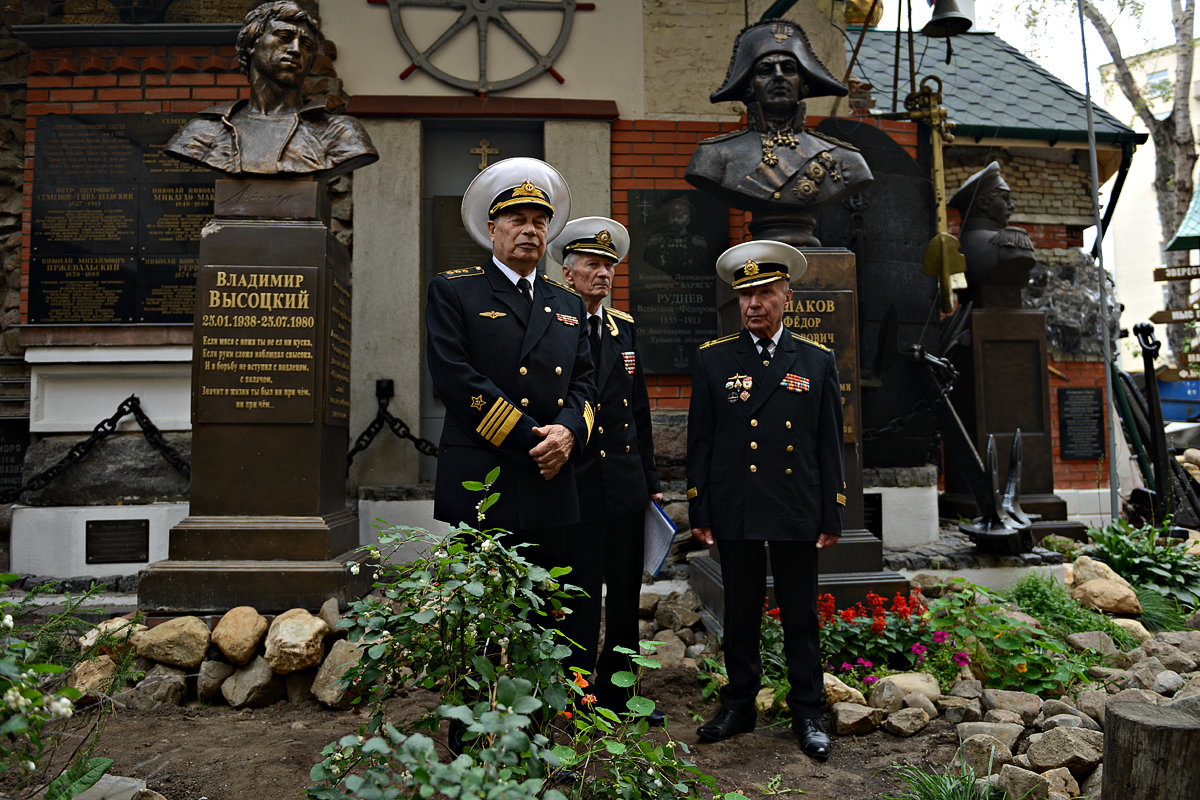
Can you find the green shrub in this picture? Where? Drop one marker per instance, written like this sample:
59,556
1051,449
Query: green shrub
1047,600
1160,613
1145,557
1005,653
923,784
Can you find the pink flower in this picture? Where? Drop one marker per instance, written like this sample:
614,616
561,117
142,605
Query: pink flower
862,662
846,667
939,637
919,649
961,658
870,679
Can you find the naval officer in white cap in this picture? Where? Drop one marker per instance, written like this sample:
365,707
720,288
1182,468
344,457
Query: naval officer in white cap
764,472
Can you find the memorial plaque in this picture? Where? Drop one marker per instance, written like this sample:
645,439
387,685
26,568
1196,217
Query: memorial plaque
84,219
166,288
82,288
337,355
827,318
1081,423
116,541
14,440
256,327
675,239
104,192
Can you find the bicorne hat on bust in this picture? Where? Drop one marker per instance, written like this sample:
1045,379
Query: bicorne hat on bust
775,36
598,236
511,183
758,262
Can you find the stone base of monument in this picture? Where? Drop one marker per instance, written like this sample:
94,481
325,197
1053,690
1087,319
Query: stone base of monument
269,526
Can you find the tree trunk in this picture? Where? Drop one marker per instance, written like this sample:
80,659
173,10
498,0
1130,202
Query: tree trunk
1150,752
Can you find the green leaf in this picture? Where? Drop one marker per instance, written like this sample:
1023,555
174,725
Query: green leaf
14,724
614,747
526,705
45,669
492,476
489,501
640,706
565,755
424,617
475,589
623,679
473,486
78,778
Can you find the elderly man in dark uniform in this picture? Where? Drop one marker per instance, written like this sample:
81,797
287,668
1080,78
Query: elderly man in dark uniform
510,358
616,474
764,472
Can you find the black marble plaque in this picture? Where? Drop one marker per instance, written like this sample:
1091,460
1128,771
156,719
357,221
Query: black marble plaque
14,440
337,355
82,288
1081,423
827,318
103,192
675,238
257,330
116,541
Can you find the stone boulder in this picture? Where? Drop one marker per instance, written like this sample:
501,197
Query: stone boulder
1091,702
1092,785
212,674
298,685
1023,703
1057,708
295,641
1100,642
906,721
960,709
1190,689
178,642
838,692
917,700
672,650
1003,715
253,686
678,611
1143,673
1006,732
1087,569
331,613
1170,656
1025,784
888,693
162,687
1108,596
1077,749
852,718
648,604
1137,696
970,689
112,636
238,634
1167,683
984,754
1133,627
1062,781
93,678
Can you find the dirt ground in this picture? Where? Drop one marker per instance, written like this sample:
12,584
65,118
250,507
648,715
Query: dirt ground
218,753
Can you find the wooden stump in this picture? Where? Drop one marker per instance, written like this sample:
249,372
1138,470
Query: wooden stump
1151,752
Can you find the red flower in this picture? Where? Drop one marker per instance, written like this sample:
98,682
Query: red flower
874,602
847,615
773,613
826,607
580,681
588,699
878,625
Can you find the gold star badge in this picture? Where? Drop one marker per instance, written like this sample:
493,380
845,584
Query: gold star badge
751,269
477,402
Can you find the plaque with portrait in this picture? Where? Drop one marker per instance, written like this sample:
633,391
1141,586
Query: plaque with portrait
675,238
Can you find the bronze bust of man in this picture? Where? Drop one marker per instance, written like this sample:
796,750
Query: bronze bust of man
776,167
276,131
999,256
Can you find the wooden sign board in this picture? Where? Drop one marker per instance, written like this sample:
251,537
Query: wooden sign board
1184,273
1169,315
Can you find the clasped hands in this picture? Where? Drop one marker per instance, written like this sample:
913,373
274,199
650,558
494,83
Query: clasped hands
553,450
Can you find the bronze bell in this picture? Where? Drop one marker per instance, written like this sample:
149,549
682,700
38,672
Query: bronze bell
947,20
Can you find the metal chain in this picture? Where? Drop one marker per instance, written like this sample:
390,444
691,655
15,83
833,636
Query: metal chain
383,396
105,428
923,406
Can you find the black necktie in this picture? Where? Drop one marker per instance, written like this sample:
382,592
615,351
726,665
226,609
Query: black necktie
525,289
765,346
594,324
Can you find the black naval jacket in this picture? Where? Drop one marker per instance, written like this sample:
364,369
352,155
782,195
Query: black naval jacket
616,474
502,368
764,456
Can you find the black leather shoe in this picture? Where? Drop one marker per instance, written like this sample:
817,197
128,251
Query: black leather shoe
728,722
657,718
813,738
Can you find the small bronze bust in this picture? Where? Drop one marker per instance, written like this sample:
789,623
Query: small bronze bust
999,256
276,131
777,168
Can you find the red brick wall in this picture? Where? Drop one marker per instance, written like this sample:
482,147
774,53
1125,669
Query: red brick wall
125,80
653,154
1076,474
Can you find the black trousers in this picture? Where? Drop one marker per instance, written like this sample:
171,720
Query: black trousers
744,574
571,546
621,541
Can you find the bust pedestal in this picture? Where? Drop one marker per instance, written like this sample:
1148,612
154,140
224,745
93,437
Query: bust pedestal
268,524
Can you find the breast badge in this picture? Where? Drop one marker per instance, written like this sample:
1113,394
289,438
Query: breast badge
739,387
566,319
492,314
630,358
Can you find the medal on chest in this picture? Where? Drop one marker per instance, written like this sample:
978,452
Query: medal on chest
739,387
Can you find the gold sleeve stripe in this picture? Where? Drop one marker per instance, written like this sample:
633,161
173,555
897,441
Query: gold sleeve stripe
841,499
589,419
693,493
498,421
728,338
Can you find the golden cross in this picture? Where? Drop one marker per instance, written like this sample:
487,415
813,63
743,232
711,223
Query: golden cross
483,151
